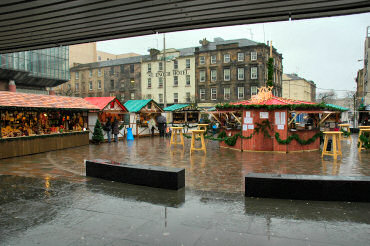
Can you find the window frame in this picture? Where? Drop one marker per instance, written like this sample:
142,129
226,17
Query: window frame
204,94
202,60
77,75
254,71
200,75
214,78
214,93
241,54
256,90
99,84
175,64
160,66
215,60
229,93
187,63
99,72
149,68
229,59
243,91
225,74
160,82
175,97
241,69
188,80
149,83
90,85
175,81
254,56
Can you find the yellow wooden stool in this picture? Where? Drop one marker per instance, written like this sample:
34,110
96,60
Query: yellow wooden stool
175,132
336,147
202,127
359,142
345,127
195,134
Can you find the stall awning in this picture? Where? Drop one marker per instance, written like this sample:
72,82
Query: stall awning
176,107
15,100
136,105
337,107
103,102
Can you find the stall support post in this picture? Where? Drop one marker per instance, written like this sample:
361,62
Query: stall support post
186,117
1,136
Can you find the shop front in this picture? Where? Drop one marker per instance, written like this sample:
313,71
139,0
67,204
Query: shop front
32,123
110,108
143,116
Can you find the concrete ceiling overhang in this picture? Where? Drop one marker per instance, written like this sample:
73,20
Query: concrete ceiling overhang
42,24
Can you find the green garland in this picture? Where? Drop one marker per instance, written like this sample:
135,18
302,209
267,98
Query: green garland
296,137
270,71
365,140
346,133
43,136
322,106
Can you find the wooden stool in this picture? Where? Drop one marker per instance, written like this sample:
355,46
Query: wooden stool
177,131
336,147
202,127
345,127
195,134
359,142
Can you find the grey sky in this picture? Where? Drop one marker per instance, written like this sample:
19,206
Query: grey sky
324,50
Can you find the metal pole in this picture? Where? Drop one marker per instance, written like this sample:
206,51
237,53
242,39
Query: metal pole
164,71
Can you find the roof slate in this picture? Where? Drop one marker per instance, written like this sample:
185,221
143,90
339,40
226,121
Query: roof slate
175,107
25,100
243,42
136,105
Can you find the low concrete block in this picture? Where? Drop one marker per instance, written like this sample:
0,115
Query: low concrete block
307,187
152,176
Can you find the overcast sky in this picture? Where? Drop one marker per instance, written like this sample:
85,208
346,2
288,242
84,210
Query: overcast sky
324,50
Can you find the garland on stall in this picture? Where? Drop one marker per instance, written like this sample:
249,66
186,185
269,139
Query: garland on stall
231,141
42,136
273,107
346,133
365,140
296,137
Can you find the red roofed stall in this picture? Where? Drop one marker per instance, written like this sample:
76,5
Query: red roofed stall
35,123
109,108
268,123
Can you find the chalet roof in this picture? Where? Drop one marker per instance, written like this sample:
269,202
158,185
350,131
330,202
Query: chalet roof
29,101
102,102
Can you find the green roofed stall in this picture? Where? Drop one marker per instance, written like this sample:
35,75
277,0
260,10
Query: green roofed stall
182,114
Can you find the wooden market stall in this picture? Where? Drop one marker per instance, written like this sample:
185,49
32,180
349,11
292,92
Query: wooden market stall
268,123
142,112
109,108
34,123
182,115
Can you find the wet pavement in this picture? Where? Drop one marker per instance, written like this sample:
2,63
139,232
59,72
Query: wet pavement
219,170
45,199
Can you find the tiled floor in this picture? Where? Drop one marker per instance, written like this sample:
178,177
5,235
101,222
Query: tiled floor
219,170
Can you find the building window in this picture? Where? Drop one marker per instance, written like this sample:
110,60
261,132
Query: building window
213,93
240,92
187,80
122,84
187,63
187,97
175,64
77,86
227,93
160,66
253,72
202,76
213,75
202,93
99,84
175,80
122,96
99,58
132,81
226,58
213,59
149,67
90,85
149,96
111,70
253,56
122,68
240,73
202,60
149,83
253,90
99,72
132,68
90,73
112,84
240,56
77,75
160,82
175,97
132,95
160,97
227,74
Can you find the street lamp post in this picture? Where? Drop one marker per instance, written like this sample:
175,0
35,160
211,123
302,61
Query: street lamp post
164,71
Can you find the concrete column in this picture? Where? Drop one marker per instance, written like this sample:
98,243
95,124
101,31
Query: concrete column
12,86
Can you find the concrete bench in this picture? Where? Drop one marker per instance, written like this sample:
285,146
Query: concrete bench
307,187
152,176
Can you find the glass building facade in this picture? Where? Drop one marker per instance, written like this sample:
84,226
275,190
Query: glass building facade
52,63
